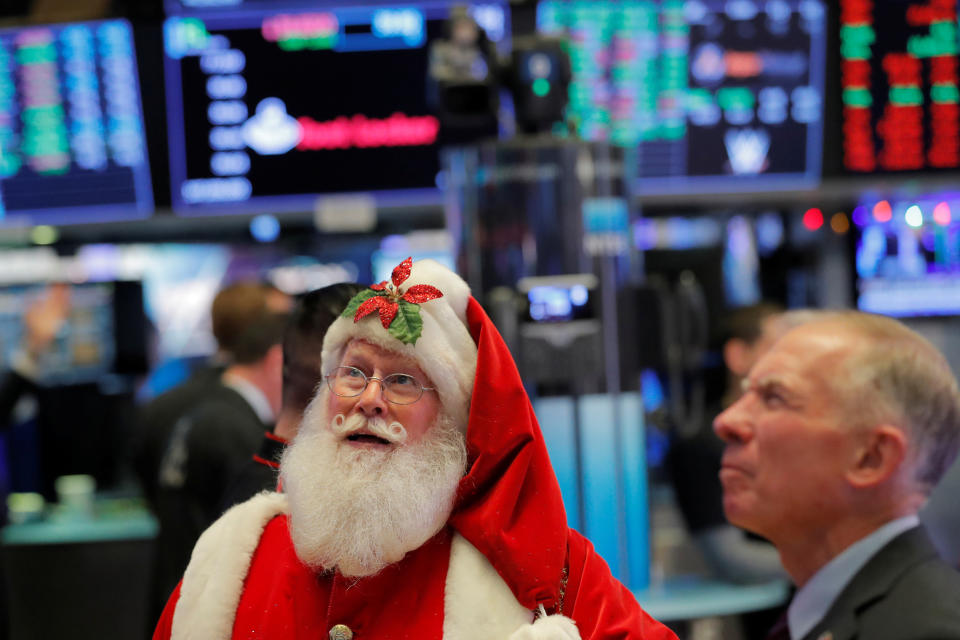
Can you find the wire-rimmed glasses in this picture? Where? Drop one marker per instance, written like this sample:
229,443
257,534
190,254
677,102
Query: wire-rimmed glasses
397,388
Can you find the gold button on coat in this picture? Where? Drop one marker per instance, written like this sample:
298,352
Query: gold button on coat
340,632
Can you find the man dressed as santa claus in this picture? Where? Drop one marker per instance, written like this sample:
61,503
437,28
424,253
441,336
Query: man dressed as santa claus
418,499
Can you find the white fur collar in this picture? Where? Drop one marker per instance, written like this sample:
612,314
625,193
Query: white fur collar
212,584
478,604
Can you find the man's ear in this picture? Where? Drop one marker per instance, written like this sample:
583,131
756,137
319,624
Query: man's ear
881,454
274,356
736,357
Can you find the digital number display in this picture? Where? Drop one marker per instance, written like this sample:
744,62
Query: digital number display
71,127
710,95
899,85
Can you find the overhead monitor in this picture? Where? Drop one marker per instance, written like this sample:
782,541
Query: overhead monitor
908,255
270,109
900,85
711,95
72,146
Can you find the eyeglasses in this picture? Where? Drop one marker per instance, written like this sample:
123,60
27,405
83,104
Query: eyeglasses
398,388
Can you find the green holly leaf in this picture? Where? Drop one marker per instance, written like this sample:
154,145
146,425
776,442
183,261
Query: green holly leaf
357,300
407,325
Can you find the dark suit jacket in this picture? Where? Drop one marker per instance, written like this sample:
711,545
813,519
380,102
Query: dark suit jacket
156,419
260,473
204,452
904,592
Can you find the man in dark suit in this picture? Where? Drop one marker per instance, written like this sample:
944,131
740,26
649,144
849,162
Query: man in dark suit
231,312
214,439
845,426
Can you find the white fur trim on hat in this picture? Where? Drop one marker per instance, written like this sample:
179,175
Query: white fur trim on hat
445,351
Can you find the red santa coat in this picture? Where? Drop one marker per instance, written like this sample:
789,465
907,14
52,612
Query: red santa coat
506,553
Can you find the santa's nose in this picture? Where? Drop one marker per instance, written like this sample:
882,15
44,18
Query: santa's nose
371,401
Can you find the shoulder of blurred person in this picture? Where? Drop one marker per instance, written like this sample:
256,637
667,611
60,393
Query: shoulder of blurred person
156,419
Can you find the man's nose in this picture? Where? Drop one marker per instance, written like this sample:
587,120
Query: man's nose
371,401
733,425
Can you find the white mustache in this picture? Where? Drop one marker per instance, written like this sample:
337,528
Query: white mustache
394,432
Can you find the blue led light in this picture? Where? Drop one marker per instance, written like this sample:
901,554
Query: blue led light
264,228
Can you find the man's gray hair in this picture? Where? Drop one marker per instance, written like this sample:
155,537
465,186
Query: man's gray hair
896,375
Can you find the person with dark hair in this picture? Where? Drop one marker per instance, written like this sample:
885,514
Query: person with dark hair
418,498
845,426
302,343
212,440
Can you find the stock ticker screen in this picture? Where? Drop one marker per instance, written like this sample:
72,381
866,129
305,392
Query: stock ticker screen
72,145
270,109
899,77
710,95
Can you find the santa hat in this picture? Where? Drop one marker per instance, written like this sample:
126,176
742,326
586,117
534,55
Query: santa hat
420,313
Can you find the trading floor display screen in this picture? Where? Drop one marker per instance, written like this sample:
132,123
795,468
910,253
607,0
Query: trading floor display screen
269,109
908,255
711,95
900,85
72,146
103,332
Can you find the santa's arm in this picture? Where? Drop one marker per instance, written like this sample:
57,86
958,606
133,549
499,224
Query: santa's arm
601,606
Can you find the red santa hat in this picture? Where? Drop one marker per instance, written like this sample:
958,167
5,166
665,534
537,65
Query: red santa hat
509,504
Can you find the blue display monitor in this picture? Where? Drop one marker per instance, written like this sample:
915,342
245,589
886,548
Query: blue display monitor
72,146
269,109
104,331
711,95
908,255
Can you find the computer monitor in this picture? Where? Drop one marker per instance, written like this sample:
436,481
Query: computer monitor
908,255
709,95
269,109
105,331
899,83
72,146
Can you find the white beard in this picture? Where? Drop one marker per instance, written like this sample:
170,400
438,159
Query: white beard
359,510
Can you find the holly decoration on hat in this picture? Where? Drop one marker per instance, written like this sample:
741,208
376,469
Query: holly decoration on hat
398,308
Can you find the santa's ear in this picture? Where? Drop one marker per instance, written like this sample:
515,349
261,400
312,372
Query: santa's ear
736,356
880,455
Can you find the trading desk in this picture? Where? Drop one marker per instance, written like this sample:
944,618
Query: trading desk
86,578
